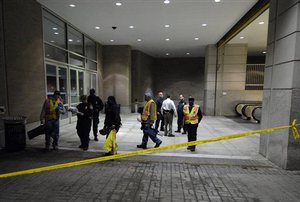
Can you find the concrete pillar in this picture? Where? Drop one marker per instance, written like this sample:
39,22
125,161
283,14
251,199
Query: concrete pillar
24,65
281,98
117,75
210,80
231,77
142,79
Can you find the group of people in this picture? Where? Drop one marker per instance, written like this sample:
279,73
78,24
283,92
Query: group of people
155,113
162,112
87,116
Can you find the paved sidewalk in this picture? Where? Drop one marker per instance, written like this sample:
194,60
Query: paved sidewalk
223,171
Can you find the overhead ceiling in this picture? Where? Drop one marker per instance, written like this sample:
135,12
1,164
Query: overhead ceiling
149,17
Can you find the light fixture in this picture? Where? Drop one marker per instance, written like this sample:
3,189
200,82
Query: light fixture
187,53
54,28
167,53
166,2
196,38
118,4
97,27
70,40
72,5
139,39
112,40
261,23
242,37
167,39
217,0
204,25
56,33
264,52
167,25
52,41
131,27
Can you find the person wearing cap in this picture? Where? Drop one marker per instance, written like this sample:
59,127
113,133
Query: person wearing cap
52,108
149,115
168,110
180,123
97,104
192,117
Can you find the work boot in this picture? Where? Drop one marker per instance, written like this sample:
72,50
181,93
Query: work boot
141,146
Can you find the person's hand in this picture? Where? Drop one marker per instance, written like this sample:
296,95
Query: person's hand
80,113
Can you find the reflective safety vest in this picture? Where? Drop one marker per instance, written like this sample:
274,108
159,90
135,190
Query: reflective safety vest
51,110
147,111
191,117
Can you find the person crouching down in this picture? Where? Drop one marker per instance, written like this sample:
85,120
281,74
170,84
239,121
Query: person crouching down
149,115
112,123
84,121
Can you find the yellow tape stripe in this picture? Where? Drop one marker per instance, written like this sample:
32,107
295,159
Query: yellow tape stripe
139,152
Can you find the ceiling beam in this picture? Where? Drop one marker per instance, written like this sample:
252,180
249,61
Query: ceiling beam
260,7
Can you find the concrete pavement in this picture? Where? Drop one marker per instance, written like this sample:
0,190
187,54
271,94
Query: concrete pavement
223,171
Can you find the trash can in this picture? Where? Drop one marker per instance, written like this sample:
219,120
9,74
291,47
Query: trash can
14,129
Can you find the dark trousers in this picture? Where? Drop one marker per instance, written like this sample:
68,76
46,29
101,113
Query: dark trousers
180,122
52,131
160,118
192,132
83,133
95,124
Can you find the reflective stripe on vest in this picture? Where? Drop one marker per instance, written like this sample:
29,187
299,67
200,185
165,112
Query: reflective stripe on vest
52,114
191,117
147,112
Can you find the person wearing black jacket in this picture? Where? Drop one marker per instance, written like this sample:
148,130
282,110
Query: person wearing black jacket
112,121
97,104
180,123
84,121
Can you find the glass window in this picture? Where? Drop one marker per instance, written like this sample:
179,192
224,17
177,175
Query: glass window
51,79
54,30
87,77
73,81
90,48
93,81
91,65
62,79
76,60
75,41
55,53
81,89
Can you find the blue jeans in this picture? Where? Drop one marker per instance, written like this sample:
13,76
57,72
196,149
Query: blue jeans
52,130
152,133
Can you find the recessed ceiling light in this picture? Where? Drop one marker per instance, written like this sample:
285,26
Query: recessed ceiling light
54,28
166,2
139,39
187,53
217,0
70,40
78,40
167,39
204,25
167,53
261,23
118,4
112,40
131,27
196,38
56,33
72,5
97,27
264,52
242,37
167,25
52,41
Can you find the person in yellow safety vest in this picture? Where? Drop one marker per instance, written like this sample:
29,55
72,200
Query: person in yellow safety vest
192,117
52,108
148,116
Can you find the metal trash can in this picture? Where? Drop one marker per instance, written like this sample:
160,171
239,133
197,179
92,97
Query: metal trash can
15,133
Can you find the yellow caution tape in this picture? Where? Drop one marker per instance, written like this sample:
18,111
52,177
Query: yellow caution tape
162,148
